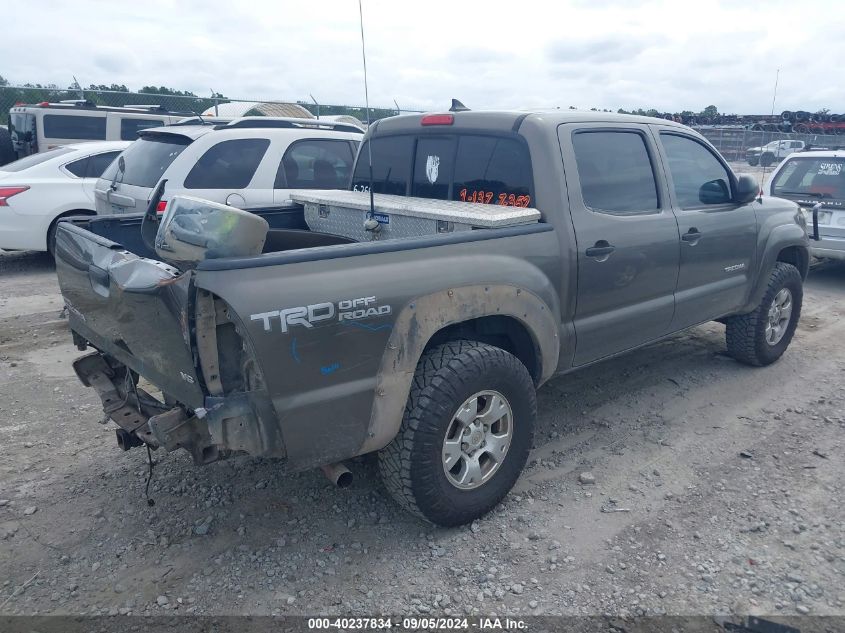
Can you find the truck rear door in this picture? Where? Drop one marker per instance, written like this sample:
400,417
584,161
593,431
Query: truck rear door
131,308
626,234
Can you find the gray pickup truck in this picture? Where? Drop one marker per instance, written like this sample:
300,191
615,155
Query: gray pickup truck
499,249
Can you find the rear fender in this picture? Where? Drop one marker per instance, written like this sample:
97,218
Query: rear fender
421,319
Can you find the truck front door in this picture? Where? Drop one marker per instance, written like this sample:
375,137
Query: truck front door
626,234
718,236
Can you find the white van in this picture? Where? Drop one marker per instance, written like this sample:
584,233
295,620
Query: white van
39,127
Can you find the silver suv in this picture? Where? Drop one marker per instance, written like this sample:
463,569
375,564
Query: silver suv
250,163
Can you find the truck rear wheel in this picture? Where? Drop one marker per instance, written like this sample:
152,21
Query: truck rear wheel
465,435
762,336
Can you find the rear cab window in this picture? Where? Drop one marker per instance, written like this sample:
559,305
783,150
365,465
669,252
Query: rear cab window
466,167
148,158
811,177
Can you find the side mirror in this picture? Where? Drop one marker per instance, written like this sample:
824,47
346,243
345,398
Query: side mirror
747,189
121,164
193,230
714,192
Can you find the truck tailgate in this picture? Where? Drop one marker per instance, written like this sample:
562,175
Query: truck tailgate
132,308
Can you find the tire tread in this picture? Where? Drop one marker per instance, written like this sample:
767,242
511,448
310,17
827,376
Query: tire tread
743,332
439,372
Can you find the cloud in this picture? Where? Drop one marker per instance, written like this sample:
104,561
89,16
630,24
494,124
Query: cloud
600,51
488,53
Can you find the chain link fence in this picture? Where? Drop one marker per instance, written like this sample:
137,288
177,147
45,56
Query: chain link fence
731,135
187,104
734,142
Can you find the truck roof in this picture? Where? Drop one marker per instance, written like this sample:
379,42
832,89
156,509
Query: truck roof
509,120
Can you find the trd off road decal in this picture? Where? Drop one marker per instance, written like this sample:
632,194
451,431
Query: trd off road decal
307,316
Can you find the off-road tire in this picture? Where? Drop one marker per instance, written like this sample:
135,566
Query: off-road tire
7,152
767,159
411,465
746,334
753,161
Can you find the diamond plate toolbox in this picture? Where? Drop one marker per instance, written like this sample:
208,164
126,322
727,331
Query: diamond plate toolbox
345,213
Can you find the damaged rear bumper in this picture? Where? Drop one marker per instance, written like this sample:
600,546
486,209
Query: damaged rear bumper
224,426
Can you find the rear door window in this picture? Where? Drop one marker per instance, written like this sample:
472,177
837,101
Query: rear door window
228,164
129,128
147,159
822,178
98,162
63,126
315,164
78,167
91,166
615,172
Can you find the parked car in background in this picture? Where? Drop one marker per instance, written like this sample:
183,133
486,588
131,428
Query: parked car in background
250,163
773,152
35,128
812,178
38,190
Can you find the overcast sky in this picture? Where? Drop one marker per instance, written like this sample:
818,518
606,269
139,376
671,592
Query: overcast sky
490,54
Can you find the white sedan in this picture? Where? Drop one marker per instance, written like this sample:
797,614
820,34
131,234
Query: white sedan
37,190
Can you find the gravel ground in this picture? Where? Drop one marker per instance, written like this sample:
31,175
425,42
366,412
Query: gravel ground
671,480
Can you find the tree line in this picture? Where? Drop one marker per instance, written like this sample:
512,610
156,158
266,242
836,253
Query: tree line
117,95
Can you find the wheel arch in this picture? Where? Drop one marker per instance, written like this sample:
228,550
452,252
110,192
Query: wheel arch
503,331
509,317
785,243
64,214
797,256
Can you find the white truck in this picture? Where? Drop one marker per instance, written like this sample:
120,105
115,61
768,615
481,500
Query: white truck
773,152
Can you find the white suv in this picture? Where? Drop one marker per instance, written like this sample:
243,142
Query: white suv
250,163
